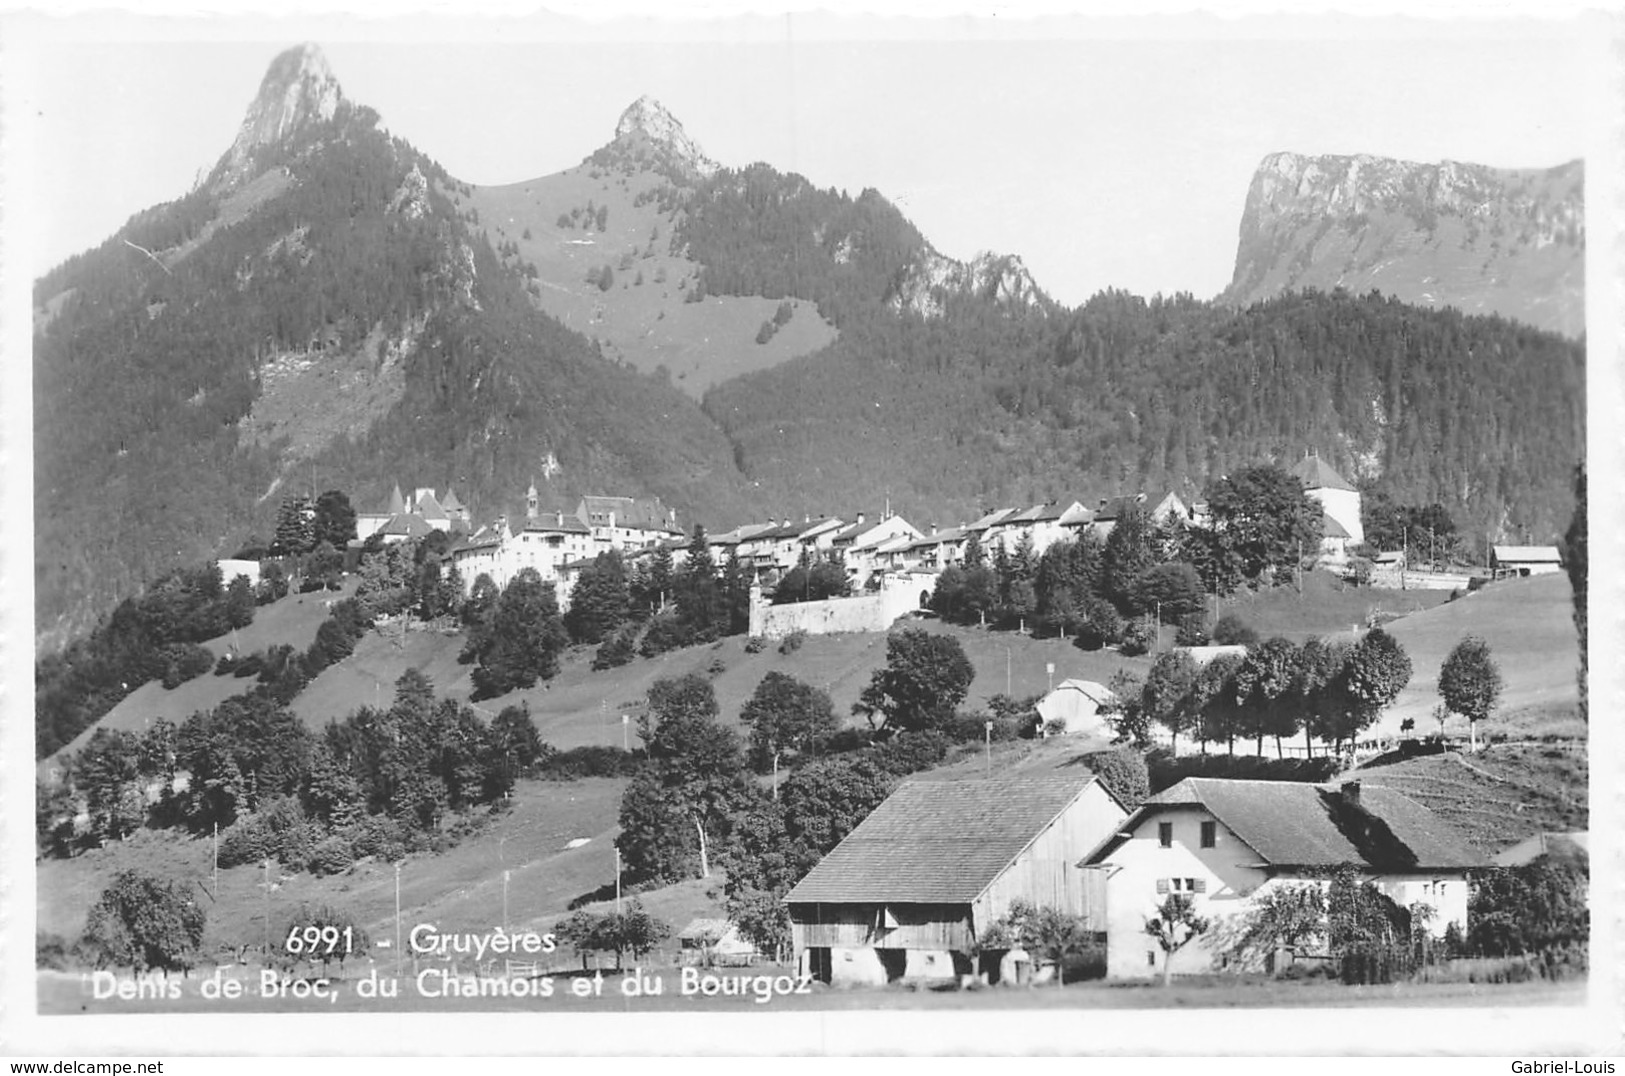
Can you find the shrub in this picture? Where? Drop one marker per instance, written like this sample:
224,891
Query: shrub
332,855
1192,631
1124,773
248,666
1136,640
1231,630
278,830
226,664
755,644
185,661
792,642
591,760
617,650
665,633
377,836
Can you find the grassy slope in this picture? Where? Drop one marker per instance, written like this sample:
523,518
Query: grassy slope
1529,626
292,620
646,324
1500,795
1326,607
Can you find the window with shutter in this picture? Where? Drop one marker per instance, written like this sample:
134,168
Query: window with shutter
1199,885
1162,886
1165,834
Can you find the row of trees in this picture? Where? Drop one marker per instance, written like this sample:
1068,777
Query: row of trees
377,782
1325,689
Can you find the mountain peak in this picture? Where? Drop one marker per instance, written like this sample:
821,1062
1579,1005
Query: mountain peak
647,128
298,89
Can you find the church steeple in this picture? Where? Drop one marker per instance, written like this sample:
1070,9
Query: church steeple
532,500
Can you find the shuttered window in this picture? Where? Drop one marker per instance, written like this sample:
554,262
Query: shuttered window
1210,834
1165,834
1162,886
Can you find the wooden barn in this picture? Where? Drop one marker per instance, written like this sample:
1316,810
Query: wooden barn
908,893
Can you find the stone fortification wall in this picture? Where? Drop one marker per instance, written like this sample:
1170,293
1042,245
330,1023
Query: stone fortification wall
868,612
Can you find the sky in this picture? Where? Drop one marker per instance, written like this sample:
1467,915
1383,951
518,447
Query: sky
1105,152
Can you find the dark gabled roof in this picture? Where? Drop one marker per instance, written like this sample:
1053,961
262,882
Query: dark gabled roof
939,842
429,507
1053,510
1027,515
556,521
1294,824
992,519
629,512
1114,507
1315,473
407,524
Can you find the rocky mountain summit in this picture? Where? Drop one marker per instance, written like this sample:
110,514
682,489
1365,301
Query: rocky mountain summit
1484,240
648,136
298,90
932,279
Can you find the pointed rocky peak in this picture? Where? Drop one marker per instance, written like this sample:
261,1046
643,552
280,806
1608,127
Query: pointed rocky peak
648,135
298,90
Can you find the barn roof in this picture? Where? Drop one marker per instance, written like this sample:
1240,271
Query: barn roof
1295,824
1537,554
1100,694
939,842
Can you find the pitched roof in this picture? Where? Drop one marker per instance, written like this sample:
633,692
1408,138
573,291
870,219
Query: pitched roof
1539,554
1316,473
1089,689
397,503
450,502
992,519
1114,507
1557,845
556,521
629,512
1294,824
406,524
1333,529
428,507
939,842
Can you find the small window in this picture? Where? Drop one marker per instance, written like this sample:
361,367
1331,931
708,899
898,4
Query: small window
1165,834
1210,834
1162,885
1150,958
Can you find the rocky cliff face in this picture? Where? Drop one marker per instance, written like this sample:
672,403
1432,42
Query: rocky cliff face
1484,240
647,136
298,89
932,280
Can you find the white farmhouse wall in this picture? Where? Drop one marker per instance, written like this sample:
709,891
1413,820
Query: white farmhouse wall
1342,505
230,569
1132,898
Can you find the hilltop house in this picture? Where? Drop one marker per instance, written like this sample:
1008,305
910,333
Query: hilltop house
1168,507
626,522
911,890
412,517
1228,842
1339,503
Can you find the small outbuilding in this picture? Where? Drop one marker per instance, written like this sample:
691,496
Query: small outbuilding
1525,559
1077,706
706,942
911,891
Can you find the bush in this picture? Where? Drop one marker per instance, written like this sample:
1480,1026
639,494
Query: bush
665,633
251,665
51,951
1231,630
330,856
278,831
226,664
1124,773
755,644
911,752
1167,771
617,650
1192,631
792,642
185,661
592,760
377,836
1136,640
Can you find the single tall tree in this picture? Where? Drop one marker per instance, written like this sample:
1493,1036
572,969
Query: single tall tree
1265,518
1470,683
925,677
786,715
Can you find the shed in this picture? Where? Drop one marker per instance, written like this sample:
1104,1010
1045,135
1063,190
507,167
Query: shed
1526,559
1077,704
910,891
716,941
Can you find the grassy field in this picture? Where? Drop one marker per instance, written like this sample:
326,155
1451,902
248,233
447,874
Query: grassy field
1500,795
643,319
1529,626
1325,607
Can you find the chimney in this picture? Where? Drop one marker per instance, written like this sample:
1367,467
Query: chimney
933,530
860,519
1351,793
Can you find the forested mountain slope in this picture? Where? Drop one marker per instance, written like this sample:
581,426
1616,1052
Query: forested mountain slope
322,309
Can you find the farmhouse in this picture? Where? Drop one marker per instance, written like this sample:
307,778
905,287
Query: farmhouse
910,891
1229,842
1338,500
1525,559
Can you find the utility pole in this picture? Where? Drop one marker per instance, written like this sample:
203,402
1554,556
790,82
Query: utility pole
505,876
617,882
1007,671
265,864
1158,647
988,732
626,725
217,861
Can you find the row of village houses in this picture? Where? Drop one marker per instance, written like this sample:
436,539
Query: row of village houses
559,544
